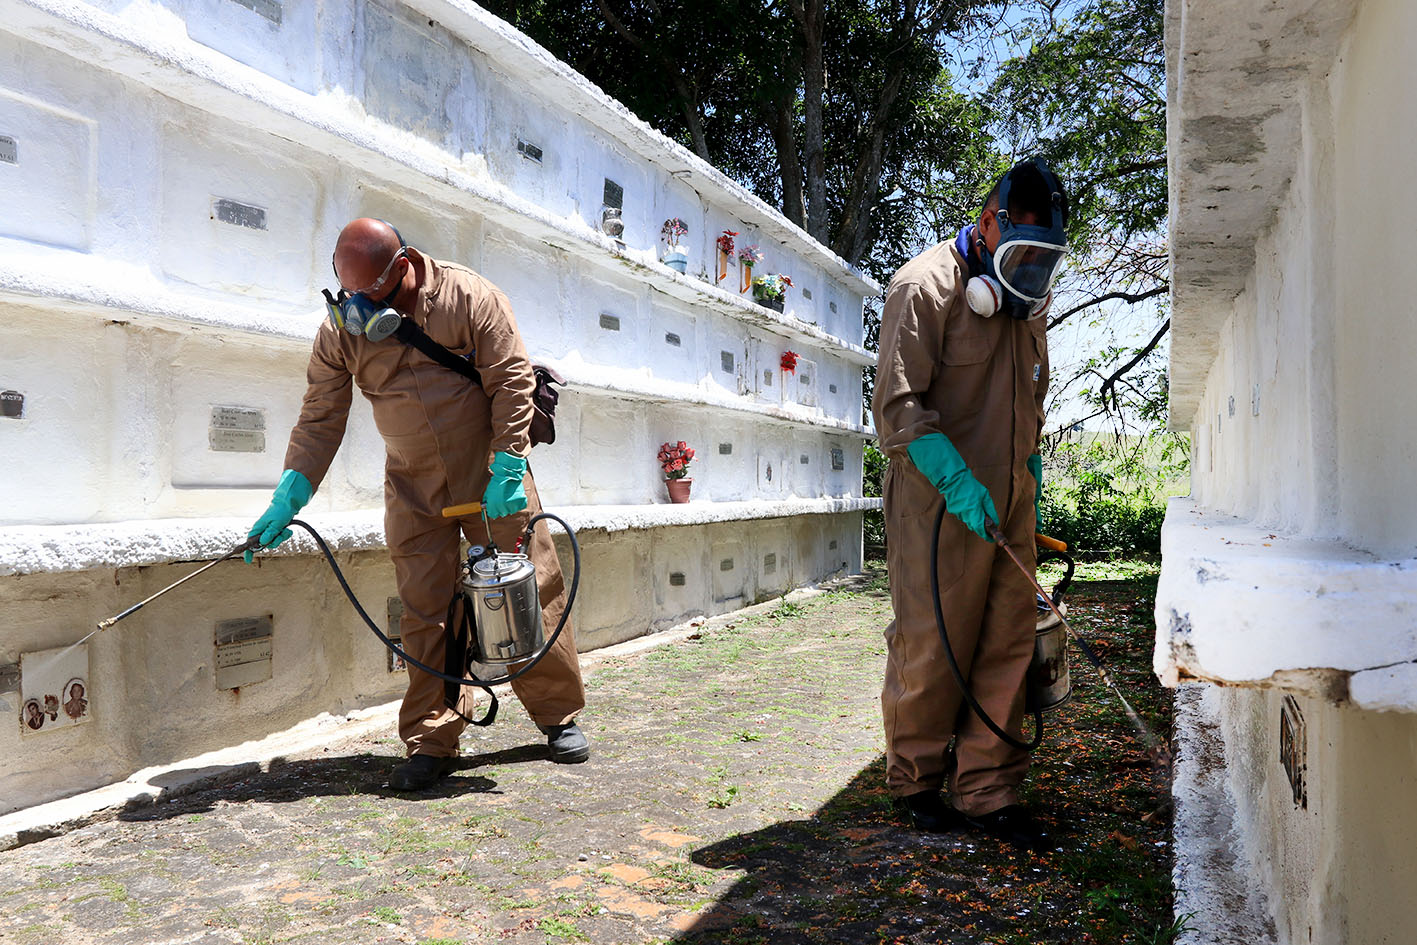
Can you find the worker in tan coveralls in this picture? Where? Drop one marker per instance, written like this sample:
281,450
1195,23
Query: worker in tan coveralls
448,442
958,404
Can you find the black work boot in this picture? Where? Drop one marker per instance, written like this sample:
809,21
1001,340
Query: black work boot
568,743
1012,824
928,811
420,772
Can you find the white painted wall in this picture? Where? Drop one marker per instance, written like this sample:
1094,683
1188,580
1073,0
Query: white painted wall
1286,574
136,308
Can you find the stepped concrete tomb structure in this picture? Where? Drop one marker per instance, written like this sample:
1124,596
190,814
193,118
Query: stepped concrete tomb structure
1287,605
173,175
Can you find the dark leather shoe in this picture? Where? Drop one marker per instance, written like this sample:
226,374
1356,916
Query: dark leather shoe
419,772
1012,824
568,743
928,811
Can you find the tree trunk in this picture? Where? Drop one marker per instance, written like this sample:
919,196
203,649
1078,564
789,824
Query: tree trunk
779,119
812,21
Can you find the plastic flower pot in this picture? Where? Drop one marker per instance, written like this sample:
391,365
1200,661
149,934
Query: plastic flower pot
678,489
677,259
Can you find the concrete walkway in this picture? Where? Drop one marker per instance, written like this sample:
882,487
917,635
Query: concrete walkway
733,795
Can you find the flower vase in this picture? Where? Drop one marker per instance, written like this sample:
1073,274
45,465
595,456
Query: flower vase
677,259
678,489
747,279
722,266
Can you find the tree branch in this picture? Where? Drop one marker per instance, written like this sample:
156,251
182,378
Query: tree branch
1111,382
1107,297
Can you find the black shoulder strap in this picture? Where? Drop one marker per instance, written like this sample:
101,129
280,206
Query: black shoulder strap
410,334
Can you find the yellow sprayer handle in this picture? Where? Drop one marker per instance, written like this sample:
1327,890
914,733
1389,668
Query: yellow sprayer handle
460,511
1042,540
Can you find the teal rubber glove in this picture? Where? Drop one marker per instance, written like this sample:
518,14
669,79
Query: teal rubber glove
504,494
965,497
1035,466
291,494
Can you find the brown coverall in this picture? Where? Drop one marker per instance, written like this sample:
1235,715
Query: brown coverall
440,431
981,382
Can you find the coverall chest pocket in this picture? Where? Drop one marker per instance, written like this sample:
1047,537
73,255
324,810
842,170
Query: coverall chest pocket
967,340
1039,329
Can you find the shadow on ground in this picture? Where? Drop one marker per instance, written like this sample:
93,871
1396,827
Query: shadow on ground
285,781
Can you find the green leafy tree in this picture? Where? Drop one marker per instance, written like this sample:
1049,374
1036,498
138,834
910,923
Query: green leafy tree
832,111
1085,87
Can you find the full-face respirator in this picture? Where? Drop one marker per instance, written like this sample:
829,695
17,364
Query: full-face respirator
1017,278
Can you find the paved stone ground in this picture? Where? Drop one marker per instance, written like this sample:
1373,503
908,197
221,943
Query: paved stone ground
734,794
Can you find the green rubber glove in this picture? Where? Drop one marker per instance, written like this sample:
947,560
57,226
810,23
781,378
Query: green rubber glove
965,497
504,494
1035,466
291,494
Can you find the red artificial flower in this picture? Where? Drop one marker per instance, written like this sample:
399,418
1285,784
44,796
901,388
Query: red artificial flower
789,361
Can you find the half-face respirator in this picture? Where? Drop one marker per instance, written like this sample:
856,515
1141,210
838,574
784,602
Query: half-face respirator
359,313
1017,278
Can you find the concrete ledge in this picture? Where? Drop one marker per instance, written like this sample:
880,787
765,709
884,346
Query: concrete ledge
161,782
1239,604
1235,74
39,549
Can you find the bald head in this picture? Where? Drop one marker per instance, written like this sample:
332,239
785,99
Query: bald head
363,252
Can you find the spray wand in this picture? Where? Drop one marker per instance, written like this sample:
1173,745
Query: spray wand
1159,752
247,545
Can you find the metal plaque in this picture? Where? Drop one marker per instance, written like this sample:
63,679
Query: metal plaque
236,441
614,195
725,449
804,379
770,563
672,339
237,430
610,322
12,404
725,361
677,579
395,662
807,294
767,378
243,651
9,150
239,214
832,306
1293,750
831,545
832,388
803,459
270,9
726,564
238,418
838,458
529,151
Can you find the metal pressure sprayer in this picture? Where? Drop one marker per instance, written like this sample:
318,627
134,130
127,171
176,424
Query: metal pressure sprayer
506,603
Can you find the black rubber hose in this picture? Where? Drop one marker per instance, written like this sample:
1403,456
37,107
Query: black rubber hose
474,682
950,654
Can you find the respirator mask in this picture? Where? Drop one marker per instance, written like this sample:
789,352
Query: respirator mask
360,313
1017,278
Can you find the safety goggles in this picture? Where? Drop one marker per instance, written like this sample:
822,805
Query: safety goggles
379,283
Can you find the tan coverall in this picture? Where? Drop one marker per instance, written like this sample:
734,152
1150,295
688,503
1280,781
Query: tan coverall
981,382
440,431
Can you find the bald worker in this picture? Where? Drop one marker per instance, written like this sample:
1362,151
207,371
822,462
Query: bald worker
448,441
